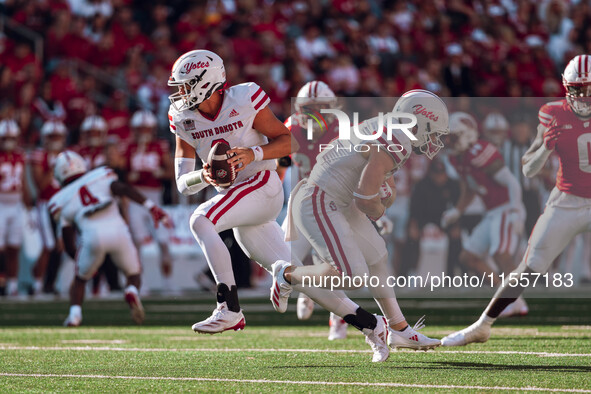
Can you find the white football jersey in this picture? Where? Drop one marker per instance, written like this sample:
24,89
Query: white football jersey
87,202
232,124
338,169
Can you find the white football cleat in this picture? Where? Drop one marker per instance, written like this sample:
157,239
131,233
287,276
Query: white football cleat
73,321
222,319
476,333
410,338
337,327
378,340
516,308
305,307
135,306
280,289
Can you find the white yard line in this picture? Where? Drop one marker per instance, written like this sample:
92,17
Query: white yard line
297,382
132,349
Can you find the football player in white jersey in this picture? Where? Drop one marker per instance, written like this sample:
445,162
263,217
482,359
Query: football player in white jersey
202,113
350,183
85,203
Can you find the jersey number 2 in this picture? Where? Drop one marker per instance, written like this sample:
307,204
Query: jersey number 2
584,144
86,197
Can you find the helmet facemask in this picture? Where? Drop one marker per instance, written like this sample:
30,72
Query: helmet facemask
8,144
188,92
578,97
54,142
429,143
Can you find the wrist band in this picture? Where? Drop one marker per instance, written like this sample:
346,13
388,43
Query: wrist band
149,204
361,196
258,153
194,178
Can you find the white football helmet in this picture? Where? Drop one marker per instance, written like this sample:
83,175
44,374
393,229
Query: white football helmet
312,97
196,74
53,135
67,165
143,118
577,82
94,128
432,119
463,131
315,92
9,132
495,127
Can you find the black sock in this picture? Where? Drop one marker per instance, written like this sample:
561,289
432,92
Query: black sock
230,296
498,305
362,319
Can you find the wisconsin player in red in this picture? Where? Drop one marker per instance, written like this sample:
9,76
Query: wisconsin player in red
564,128
148,164
311,99
13,192
53,140
483,172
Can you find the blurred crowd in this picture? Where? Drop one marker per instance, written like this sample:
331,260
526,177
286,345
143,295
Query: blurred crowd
113,57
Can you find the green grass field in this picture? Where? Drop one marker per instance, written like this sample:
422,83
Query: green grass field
549,350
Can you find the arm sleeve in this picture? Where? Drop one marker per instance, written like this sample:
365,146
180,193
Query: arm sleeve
505,178
188,181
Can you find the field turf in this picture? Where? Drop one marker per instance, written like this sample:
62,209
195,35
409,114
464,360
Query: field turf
549,350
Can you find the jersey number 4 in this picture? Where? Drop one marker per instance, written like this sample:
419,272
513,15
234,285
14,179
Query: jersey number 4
86,197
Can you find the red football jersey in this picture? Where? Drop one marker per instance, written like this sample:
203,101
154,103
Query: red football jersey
147,161
46,160
573,148
305,158
471,166
93,155
12,165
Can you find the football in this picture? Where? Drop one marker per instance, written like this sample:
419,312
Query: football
223,173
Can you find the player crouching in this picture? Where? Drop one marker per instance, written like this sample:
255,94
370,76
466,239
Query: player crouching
85,203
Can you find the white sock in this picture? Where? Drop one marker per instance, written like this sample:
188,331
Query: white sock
131,289
75,310
12,286
37,286
484,319
214,249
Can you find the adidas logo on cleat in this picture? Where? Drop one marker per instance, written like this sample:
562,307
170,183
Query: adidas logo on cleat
414,338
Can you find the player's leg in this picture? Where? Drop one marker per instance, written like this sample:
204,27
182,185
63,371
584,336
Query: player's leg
375,255
89,257
554,229
256,200
161,236
125,255
47,235
301,249
264,244
8,252
504,244
477,247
